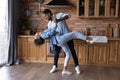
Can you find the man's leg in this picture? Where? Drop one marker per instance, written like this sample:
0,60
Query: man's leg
56,55
74,55
73,52
56,51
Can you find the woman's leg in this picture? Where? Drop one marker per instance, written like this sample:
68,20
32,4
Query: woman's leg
67,58
71,35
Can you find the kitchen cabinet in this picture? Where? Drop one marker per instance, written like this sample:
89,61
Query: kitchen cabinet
81,48
93,54
28,51
119,52
113,7
113,52
22,48
97,8
50,54
97,53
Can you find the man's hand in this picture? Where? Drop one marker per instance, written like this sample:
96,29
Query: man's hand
61,19
55,20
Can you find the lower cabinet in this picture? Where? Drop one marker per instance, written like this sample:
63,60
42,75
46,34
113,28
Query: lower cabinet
91,53
96,54
81,49
28,51
119,52
50,54
22,48
114,52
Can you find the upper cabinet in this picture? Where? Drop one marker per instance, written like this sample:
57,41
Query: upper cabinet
97,8
113,8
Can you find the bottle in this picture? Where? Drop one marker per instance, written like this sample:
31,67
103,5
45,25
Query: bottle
102,2
116,32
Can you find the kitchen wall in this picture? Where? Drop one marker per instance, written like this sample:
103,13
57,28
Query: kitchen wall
74,22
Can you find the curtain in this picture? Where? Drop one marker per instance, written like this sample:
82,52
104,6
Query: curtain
13,15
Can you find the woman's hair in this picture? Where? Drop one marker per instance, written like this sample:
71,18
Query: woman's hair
46,11
39,41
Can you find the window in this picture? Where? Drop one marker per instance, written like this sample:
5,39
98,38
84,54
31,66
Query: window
3,31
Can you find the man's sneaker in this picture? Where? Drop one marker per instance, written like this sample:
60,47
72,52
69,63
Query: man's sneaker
93,40
66,73
77,69
54,69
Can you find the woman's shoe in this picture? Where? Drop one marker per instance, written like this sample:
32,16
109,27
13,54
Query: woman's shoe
66,73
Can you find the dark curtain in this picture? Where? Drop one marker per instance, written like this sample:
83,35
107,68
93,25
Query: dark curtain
13,15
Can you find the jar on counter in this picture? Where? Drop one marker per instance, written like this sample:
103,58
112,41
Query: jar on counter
116,32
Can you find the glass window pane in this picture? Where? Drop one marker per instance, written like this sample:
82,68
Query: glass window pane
81,8
3,31
91,7
102,8
112,7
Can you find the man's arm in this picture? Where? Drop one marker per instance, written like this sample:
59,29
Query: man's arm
61,17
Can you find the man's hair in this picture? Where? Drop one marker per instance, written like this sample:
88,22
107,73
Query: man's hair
39,41
46,11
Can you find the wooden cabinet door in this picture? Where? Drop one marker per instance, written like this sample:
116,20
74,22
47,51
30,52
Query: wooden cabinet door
91,8
101,52
41,52
81,49
28,51
101,10
113,52
22,48
90,56
50,54
119,52
81,8
32,50
36,53
97,53
113,8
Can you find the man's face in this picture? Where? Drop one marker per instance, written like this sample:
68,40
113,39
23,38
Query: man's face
47,16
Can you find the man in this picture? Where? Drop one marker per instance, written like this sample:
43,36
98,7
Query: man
56,49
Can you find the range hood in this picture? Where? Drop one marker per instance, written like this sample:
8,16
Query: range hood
58,3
